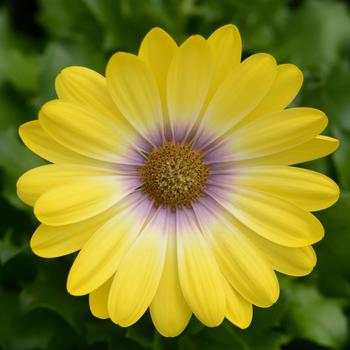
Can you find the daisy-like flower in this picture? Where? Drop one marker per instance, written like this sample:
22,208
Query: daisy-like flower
172,176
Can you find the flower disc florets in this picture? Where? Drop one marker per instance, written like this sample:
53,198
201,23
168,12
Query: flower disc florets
174,175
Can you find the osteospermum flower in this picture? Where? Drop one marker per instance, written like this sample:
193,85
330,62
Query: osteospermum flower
172,175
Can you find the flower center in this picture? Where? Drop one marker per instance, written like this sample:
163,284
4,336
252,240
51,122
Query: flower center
174,175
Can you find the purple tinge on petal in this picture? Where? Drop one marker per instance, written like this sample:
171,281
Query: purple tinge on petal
218,152
134,156
130,163
165,220
154,137
203,215
225,180
185,220
218,190
218,197
129,183
221,174
207,210
140,205
181,132
203,138
126,169
223,168
144,206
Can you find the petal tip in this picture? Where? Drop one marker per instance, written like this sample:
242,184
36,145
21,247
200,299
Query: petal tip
229,27
194,40
73,287
23,129
49,107
35,248
243,324
336,144
156,31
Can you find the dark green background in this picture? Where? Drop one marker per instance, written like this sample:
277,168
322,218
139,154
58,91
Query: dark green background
38,38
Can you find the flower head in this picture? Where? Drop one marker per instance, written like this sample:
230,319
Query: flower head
172,176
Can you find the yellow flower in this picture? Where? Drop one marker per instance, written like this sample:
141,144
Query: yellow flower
172,175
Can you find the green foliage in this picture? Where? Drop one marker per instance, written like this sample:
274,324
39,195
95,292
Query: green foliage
39,38
311,316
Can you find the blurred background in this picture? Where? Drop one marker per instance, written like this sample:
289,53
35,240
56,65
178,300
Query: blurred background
40,37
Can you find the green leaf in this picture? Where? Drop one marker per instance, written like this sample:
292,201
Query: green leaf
39,329
143,333
335,95
115,16
333,252
68,19
18,63
8,249
194,326
342,156
104,331
4,41
259,22
48,291
23,70
315,35
8,315
313,317
14,109
36,330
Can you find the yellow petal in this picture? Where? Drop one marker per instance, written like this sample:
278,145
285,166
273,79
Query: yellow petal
274,219
188,81
200,277
305,188
134,89
100,256
39,142
318,147
240,93
277,132
32,184
84,131
157,50
78,200
246,269
88,88
139,273
286,86
290,261
169,311
226,47
239,311
98,300
53,241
